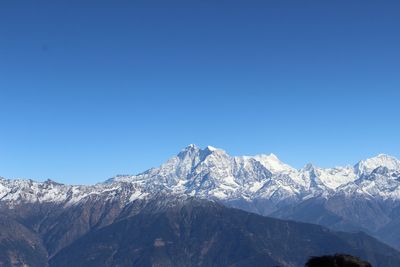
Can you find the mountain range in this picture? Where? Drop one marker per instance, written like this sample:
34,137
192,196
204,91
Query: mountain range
56,221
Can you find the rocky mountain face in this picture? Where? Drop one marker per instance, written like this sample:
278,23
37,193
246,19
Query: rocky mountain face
196,233
165,232
363,197
19,245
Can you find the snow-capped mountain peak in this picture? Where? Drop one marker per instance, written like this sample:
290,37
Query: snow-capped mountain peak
309,167
211,148
192,151
213,174
382,160
273,163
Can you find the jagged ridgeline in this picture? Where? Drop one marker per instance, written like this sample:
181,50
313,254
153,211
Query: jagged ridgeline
59,218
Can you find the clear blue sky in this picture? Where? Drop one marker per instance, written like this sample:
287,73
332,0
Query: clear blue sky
91,89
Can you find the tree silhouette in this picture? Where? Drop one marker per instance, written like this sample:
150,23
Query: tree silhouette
337,260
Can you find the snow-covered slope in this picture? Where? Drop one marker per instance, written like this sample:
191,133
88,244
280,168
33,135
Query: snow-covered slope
213,174
382,160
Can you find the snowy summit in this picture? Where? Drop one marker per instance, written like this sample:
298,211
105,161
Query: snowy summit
211,173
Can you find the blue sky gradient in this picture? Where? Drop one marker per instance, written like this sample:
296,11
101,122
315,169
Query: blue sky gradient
91,89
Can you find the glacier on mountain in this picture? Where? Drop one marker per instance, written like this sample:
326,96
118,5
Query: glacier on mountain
211,173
